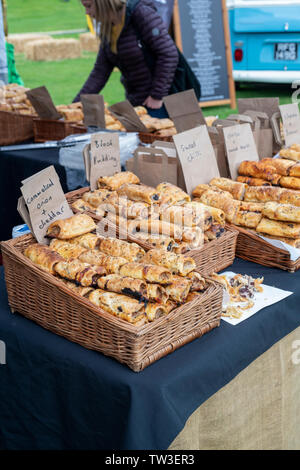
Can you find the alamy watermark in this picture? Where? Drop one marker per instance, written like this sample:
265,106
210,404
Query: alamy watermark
296,93
2,353
296,353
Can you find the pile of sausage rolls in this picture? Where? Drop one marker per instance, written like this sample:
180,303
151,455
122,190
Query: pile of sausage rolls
163,217
270,211
115,275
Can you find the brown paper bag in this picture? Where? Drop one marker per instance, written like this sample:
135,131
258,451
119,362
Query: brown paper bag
217,140
184,110
269,106
170,149
126,114
42,103
93,110
266,137
153,166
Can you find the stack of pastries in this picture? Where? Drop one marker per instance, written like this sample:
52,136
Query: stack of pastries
115,275
283,172
161,217
13,98
270,211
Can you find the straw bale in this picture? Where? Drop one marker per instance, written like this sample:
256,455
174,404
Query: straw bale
53,50
89,42
19,40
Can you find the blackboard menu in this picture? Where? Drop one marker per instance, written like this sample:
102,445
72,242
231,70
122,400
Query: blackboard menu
203,45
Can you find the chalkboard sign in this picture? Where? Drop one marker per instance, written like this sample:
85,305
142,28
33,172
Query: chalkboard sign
202,33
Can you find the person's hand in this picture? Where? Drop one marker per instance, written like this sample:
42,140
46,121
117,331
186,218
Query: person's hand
152,103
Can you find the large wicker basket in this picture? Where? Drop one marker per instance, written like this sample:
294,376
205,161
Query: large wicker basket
43,298
15,128
47,129
253,248
212,257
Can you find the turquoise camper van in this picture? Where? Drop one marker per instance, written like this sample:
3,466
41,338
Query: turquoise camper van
265,39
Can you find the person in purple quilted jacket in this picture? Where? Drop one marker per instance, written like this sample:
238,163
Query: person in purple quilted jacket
127,29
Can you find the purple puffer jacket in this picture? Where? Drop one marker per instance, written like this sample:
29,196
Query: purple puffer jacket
137,78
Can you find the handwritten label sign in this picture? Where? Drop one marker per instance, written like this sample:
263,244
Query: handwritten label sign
291,123
240,146
105,156
197,157
45,201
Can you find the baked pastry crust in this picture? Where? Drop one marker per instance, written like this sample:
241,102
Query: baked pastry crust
72,227
116,181
81,273
120,248
111,264
236,189
43,256
124,285
177,264
149,273
139,193
278,228
119,305
283,212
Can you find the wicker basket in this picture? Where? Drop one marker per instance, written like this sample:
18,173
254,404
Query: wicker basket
148,138
15,128
253,248
44,299
46,129
212,257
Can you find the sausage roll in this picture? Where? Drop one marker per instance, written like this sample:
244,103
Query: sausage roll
124,285
177,264
192,296
262,194
295,147
112,264
251,206
202,188
282,229
116,181
89,241
284,212
290,182
295,170
217,215
170,305
97,197
156,293
157,227
215,232
67,250
139,193
155,311
72,227
281,165
221,201
82,206
182,247
82,291
171,195
43,256
157,241
290,154
259,170
120,248
121,306
202,214
124,207
236,189
247,219
253,181
82,273
149,273
288,196
178,289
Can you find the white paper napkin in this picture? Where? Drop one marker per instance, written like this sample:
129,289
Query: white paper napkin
269,296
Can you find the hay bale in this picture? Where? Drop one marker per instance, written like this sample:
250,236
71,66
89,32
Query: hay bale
53,49
20,40
89,42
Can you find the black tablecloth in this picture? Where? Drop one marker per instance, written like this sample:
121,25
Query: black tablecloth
56,394
15,166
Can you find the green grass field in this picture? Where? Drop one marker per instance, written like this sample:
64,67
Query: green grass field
64,79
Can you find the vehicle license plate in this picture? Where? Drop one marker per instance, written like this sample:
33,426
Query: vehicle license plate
286,51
